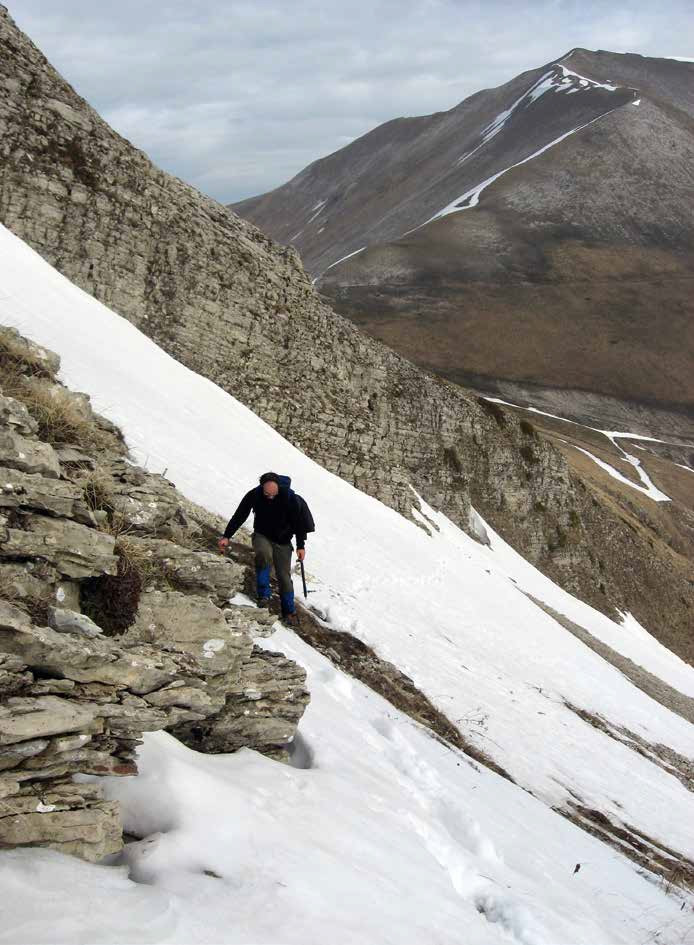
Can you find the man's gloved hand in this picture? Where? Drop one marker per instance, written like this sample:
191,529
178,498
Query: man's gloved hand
301,553
223,544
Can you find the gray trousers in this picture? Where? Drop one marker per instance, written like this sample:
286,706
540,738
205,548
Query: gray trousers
269,552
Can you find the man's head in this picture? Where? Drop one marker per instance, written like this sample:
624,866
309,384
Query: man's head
270,484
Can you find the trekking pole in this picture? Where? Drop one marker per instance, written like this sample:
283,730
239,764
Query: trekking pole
303,579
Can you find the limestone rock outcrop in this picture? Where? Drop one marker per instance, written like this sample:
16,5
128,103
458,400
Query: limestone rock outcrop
108,627
261,711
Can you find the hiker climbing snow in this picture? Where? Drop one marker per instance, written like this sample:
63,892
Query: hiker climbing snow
279,515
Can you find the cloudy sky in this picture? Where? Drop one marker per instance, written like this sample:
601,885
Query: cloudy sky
237,96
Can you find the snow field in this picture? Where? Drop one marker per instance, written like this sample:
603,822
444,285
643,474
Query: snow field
388,838
387,814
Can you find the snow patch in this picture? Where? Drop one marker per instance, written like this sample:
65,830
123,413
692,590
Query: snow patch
647,488
318,209
210,647
242,600
569,82
588,83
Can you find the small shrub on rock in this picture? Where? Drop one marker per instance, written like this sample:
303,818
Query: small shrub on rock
111,600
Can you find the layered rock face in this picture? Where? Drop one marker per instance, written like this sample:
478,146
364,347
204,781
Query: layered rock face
108,626
229,303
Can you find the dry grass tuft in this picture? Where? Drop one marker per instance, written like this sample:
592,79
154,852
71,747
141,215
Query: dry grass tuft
17,358
60,414
95,487
137,558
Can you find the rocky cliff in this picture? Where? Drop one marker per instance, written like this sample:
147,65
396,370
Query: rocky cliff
114,619
226,301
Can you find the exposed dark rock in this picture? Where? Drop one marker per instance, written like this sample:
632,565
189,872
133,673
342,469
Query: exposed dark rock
649,853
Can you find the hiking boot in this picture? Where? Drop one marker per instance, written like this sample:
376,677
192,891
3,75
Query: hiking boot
263,602
290,620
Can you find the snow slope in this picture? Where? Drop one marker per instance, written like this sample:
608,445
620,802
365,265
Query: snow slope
389,838
415,844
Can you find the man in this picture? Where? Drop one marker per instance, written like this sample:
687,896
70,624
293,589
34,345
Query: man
279,515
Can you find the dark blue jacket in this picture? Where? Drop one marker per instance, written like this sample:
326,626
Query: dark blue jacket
277,519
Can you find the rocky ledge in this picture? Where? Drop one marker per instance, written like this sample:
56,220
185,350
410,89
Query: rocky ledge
115,619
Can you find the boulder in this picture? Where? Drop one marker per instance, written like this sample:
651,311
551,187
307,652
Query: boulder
72,456
11,756
261,711
70,818
143,501
172,620
20,580
75,550
20,490
181,696
67,621
14,414
14,676
30,456
256,621
195,572
23,719
86,659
